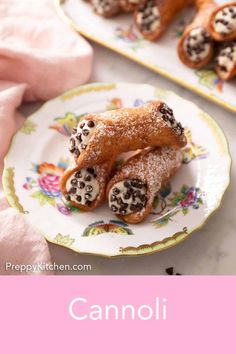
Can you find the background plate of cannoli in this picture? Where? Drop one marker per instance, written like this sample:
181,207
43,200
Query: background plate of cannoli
197,36
117,169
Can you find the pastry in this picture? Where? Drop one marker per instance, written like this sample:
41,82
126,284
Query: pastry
106,8
85,188
100,137
153,16
196,47
132,190
226,61
129,5
222,24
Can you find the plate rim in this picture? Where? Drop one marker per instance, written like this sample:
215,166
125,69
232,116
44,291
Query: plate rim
174,239
65,18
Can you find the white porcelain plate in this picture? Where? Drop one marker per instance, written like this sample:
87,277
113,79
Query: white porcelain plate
39,155
120,35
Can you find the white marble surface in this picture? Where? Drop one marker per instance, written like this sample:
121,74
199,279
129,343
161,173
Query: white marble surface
211,250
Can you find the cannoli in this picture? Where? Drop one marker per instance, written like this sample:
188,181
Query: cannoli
106,8
226,61
85,188
129,5
222,23
153,16
100,137
196,47
132,190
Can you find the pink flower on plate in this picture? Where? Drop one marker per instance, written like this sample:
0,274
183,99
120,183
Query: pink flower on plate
49,185
190,198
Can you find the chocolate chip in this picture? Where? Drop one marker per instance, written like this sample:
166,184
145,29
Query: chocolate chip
87,196
72,150
74,182
143,198
72,142
162,110
78,174
72,190
90,124
114,208
116,191
124,205
79,198
85,132
136,183
136,207
67,196
113,198
95,176
78,137
74,130
89,188
137,194
77,152
90,170
127,195
83,146
139,206
170,270
130,190
127,184
82,125
119,201
122,211
88,202
81,185
87,178
133,207
223,68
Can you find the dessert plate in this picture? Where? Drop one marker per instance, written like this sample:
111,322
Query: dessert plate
39,155
121,36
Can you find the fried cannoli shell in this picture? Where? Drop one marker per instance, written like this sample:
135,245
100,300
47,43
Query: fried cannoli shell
168,9
112,11
130,5
153,167
130,129
102,171
205,9
216,35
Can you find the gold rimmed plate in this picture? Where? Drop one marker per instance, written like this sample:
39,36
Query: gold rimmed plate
31,177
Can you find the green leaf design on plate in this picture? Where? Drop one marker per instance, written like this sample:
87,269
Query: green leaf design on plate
64,240
28,127
43,199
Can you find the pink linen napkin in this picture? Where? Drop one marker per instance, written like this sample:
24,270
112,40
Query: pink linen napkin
40,57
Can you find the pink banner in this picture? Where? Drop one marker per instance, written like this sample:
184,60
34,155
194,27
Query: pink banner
117,314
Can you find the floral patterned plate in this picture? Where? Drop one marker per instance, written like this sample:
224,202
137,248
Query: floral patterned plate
39,155
120,35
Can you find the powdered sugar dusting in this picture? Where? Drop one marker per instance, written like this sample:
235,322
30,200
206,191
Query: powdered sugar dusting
152,124
153,167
